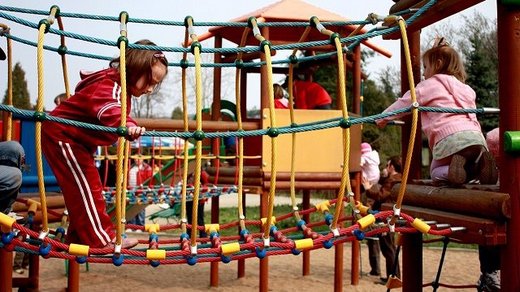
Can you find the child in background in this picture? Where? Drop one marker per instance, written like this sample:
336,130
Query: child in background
458,146
69,150
279,97
369,164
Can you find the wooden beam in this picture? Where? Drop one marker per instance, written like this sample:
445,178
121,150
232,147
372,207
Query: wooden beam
442,9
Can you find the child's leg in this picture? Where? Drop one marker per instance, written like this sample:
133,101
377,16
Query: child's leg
80,184
439,170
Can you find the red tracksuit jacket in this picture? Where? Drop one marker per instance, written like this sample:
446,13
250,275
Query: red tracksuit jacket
70,153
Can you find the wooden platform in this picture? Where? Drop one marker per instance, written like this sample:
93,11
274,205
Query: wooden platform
483,213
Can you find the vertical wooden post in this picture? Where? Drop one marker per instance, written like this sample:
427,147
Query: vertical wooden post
215,116
356,248
6,273
412,262
412,243
73,277
508,20
356,81
264,263
306,203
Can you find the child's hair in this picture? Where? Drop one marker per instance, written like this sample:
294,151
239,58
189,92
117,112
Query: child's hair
139,62
396,162
59,98
445,60
278,91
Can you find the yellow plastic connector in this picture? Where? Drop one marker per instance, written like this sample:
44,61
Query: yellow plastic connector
212,228
78,249
273,220
305,243
230,248
420,225
363,210
152,228
6,222
366,221
156,254
323,206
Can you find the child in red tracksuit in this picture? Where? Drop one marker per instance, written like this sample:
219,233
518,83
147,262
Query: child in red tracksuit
70,150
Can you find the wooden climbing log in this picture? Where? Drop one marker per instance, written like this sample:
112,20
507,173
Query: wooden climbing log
178,125
478,230
472,202
231,180
305,176
248,171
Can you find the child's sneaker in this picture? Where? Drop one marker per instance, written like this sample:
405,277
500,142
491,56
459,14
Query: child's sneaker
489,282
488,169
456,172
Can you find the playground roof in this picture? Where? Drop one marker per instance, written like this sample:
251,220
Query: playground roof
288,11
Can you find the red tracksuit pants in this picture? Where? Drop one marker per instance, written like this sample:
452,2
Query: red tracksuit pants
76,173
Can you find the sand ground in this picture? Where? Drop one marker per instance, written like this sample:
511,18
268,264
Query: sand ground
285,274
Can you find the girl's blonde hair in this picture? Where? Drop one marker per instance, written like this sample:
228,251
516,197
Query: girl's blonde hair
139,62
278,91
443,59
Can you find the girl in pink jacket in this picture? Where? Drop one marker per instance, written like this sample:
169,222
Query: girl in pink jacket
458,146
70,150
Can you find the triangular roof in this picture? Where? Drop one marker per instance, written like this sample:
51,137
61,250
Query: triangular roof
288,11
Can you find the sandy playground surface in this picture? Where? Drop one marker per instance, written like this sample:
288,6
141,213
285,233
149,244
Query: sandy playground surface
461,267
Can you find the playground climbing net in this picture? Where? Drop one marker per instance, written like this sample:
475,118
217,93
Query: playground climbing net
269,240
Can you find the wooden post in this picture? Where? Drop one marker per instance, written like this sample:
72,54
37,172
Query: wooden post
412,243
6,273
508,20
264,263
73,277
306,203
215,116
356,248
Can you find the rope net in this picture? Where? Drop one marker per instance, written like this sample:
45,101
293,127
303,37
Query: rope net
266,240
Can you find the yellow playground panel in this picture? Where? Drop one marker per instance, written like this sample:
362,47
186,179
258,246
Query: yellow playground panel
315,151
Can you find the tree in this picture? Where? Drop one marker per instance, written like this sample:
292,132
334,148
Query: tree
177,113
21,98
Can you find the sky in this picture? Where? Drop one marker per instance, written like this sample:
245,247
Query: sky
200,10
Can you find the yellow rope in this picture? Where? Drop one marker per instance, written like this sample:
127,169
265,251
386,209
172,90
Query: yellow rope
198,148
292,183
38,127
186,129
415,116
345,176
270,92
241,215
64,60
119,202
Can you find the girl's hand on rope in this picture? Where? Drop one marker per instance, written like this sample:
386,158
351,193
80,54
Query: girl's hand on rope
135,132
381,123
